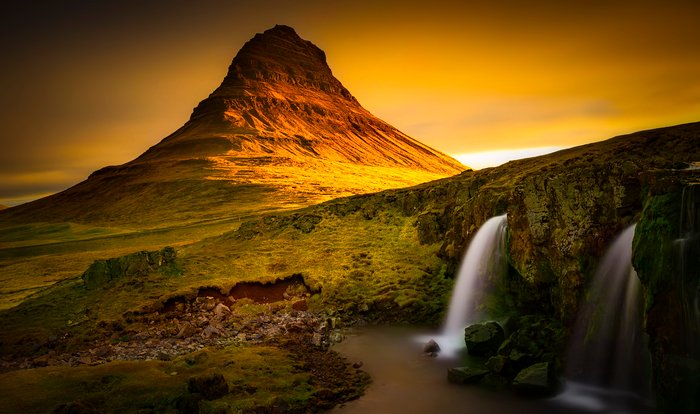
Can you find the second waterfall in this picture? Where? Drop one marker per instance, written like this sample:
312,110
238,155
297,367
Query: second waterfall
485,257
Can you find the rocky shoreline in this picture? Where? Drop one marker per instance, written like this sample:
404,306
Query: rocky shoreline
201,323
207,323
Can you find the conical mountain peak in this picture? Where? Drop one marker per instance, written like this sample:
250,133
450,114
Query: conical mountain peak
279,132
279,57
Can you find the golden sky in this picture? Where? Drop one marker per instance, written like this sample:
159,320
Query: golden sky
87,84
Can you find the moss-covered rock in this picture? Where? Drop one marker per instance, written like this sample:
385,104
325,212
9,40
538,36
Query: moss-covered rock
665,254
483,338
209,386
536,380
101,272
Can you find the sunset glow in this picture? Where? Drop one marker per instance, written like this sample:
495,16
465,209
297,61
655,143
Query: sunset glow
477,78
485,159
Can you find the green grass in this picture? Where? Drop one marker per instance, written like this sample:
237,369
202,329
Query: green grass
35,256
356,264
257,376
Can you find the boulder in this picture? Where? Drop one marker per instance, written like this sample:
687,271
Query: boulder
537,339
497,364
431,347
466,375
536,380
210,387
484,338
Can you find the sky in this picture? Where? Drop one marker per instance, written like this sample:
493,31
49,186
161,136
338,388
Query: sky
86,84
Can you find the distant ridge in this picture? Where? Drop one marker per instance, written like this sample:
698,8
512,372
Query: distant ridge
279,132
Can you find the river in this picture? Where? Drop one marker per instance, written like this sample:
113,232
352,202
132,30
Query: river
407,381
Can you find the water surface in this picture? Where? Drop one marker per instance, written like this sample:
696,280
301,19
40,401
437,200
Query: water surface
406,381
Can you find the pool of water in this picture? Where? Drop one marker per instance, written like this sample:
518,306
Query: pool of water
407,381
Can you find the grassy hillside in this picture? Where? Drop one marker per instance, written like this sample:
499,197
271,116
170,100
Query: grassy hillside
384,257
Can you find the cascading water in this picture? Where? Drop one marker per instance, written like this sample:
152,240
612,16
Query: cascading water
688,248
607,357
484,257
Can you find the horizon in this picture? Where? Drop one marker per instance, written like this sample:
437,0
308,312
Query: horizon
501,82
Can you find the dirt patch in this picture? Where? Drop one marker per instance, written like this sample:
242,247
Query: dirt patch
272,292
292,288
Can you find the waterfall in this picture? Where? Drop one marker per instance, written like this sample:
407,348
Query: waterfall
688,248
484,257
608,363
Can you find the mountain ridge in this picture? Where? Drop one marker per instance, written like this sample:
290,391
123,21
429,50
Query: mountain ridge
279,132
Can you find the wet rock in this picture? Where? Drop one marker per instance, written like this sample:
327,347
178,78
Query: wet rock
210,387
535,380
484,338
336,337
431,347
466,375
497,364
538,339
494,381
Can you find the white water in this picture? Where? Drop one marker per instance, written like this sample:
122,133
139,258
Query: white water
608,353
484,258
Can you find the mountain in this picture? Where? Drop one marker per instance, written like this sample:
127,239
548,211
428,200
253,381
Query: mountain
2,207
279,132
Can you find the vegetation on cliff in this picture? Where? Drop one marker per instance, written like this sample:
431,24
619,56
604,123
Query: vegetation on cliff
384,257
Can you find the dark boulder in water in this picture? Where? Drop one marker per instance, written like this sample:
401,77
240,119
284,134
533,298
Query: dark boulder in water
431,347
536,380
484,338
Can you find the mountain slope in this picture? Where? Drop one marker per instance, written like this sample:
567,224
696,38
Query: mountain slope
280,132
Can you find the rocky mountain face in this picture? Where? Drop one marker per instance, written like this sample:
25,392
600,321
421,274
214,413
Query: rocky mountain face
280,131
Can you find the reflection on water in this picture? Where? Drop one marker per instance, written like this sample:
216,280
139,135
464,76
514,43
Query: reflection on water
406,381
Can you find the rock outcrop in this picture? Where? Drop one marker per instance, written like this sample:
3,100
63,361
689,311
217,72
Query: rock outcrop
101,272
666,257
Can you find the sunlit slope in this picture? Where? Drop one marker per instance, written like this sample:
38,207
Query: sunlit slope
280,132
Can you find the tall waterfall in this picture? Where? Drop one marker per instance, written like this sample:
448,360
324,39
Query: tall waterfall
688,249
607,346
484,257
